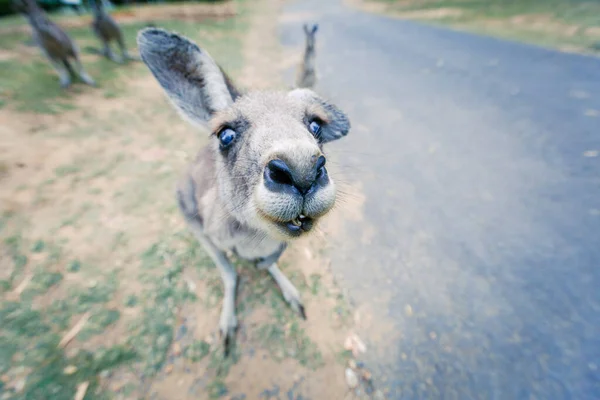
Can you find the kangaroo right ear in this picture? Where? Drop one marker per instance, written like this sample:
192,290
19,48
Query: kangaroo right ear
337,124
315,28
195,84
305,27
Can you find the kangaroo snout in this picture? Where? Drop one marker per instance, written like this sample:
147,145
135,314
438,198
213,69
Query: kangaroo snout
280,175
296,189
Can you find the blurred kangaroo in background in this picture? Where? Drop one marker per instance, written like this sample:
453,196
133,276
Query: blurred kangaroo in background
261,181
54,42
307,74
107,30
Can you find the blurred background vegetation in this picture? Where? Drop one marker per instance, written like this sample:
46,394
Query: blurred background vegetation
70,5
568,25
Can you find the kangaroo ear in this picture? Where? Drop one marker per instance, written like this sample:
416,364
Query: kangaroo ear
195,84
336,123
315,28
305,27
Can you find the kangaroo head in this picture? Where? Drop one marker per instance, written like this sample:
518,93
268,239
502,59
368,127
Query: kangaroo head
268,146
310,34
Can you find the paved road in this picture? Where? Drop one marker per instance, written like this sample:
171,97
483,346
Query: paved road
478,249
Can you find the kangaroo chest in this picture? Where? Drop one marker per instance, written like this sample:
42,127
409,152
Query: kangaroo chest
255,250
247,243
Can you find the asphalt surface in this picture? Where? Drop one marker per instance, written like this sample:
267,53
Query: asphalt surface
478,245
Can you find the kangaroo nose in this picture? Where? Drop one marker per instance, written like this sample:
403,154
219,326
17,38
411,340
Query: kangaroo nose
280,177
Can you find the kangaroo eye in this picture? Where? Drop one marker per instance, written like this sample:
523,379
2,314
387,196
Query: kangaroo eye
315,128
226,137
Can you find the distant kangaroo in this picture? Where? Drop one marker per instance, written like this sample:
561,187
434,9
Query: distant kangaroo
307,74
107,30
261,181
54,42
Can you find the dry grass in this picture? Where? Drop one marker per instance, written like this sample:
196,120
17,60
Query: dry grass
562,24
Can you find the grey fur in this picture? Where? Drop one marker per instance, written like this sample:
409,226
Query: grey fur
338,124
307,74
107,30
223,195
56,45
180,67
266,262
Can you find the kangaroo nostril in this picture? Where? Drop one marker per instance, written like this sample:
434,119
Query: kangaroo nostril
320,171
320,163
279,172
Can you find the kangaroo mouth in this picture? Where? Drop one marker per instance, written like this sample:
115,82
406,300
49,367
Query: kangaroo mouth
298,225
294,227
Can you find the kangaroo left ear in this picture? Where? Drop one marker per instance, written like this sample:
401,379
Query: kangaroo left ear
315,28
196,85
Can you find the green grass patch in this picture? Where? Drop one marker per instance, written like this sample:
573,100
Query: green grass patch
77,215
98,323
153,332
569,24
13,247
38,246
197,351
65,170
216,389
74,266
96,293
283,337
33,85
131,301
29,341
40,283
30,333
49,380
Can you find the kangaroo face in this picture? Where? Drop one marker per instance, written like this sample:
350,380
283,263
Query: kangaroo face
270,163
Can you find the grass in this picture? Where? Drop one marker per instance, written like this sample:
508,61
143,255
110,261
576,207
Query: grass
563,24
29,350
33,85
60,284
95,232
29,333
197,351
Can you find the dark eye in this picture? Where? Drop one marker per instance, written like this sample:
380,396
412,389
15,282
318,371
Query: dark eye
315,128
226,137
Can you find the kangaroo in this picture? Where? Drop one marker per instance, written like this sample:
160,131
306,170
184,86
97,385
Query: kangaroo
307,74
107,30
56,45
261,181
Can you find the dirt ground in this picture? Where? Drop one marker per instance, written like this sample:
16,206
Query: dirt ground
103,290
